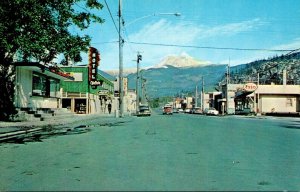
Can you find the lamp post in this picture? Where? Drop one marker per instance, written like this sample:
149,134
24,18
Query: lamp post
139,58
121,43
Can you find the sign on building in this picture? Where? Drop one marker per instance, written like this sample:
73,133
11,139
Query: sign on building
94,59
103,92
250,87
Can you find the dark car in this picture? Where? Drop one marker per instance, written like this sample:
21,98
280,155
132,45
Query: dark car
144,110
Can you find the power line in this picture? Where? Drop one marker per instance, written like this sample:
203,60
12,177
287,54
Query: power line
105,42
127,36
111,16
207,47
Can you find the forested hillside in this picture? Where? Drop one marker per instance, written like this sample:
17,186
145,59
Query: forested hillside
269,70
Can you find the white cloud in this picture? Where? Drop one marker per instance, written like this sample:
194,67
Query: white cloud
232,28
295,44
258,55
165,32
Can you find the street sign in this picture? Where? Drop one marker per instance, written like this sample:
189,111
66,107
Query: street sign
103,92
117,94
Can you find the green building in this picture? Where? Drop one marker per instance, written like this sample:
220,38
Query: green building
81,95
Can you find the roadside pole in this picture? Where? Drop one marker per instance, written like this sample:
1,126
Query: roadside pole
139,57
121,94
202,95
196,97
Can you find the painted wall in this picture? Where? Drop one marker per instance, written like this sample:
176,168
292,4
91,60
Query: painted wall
130,102
278,103
24,98
23,87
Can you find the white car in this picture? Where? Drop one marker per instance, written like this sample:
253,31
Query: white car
211,111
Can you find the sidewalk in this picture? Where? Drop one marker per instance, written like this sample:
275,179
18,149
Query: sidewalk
6,127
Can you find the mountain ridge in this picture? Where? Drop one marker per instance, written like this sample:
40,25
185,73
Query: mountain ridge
179,61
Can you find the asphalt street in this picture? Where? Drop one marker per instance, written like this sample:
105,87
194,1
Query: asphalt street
161,152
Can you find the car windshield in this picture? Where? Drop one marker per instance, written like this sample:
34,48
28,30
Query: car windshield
144,108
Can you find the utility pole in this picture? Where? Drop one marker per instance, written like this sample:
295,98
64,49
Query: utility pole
142,87
196,97
121,90
227,83
202,95
258,107
139,58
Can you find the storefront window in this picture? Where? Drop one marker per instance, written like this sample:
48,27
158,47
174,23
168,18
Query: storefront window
54,87
44,86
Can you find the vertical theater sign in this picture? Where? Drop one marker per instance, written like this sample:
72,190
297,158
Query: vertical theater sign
94,59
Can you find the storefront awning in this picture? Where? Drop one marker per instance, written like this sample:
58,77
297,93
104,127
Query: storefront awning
37,67
222,100
241,94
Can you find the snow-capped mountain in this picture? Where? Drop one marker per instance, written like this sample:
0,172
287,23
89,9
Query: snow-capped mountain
182,61
179,61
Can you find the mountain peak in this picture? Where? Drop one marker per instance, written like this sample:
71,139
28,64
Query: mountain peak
181,61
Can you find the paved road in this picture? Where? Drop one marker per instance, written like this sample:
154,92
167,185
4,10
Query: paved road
178,152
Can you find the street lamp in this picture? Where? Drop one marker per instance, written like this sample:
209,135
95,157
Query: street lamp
121,43
139,58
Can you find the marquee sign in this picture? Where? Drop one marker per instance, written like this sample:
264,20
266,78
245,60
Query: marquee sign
95,83
94,59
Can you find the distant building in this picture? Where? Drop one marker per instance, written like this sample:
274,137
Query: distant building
189,102
261,99
277,99
130,101
210,99
177,103
129,97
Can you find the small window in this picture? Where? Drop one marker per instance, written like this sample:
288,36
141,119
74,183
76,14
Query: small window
39,85
44,86
289,102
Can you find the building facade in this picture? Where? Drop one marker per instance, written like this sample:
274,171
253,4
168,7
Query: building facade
260,99
82,97
129,99
37,86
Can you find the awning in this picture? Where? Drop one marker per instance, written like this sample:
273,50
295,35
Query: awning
37,67
222,100
241,94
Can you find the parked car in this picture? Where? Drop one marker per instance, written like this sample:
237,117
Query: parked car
168,110
144,110
211,111
196,110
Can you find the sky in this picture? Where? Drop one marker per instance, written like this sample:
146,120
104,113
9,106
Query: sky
202,30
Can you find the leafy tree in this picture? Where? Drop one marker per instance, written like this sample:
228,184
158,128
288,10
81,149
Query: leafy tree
39,30
154,103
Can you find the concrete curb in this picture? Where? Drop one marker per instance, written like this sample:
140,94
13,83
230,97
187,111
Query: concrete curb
56,120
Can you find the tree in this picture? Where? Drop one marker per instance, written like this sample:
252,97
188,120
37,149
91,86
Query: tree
38,30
